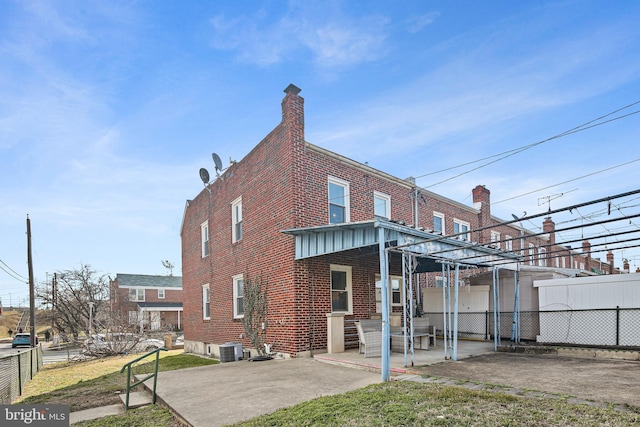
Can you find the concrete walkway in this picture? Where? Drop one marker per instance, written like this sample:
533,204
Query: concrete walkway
232,392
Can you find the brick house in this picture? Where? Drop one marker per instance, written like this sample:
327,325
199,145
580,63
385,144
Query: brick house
302,217
151,302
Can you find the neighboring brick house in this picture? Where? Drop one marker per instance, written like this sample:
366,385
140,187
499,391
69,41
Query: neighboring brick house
152,303
259,218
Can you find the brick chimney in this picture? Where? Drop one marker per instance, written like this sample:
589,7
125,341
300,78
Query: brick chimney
625,265
293,111
610,261
586,249
482,202
548,226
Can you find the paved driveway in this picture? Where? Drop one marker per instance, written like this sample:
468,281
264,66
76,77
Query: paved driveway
602,380
232,392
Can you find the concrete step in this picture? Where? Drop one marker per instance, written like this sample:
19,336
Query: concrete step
136,399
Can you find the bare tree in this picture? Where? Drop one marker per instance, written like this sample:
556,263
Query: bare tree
75,290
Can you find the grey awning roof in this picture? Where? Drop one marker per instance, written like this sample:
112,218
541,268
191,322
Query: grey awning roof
167,305
148,281
430,248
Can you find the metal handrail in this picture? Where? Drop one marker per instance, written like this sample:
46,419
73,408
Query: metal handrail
154,375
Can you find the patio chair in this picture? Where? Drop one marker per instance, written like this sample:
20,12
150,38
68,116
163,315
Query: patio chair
369,342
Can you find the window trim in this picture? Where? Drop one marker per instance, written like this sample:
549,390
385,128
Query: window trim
495,239
532,254
465,237
542,257
136,290
349,288
387,200
508,242
162,294
204,239
236,211
347,199
237,278
378,278
206,292
441,216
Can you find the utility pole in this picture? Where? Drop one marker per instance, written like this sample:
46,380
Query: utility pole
32,299
54,284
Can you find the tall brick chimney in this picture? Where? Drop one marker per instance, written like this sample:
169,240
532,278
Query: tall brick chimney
610,261
482,202
625,265
548,226
586,249
293,112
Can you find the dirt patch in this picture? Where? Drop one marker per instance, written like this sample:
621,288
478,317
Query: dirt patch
601,380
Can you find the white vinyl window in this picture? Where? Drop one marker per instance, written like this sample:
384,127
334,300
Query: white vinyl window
460,226
438,223
206,302
495,239
542,257
160,293
395,289
136,295
508,244
236,220
381,205
204,238
341,289
532,253
238,296
338,201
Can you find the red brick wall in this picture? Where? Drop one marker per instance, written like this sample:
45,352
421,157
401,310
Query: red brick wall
283,184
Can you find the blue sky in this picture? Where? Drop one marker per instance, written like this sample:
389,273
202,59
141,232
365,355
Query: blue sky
109,109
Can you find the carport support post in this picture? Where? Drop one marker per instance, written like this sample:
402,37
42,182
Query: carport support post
455,313
385,370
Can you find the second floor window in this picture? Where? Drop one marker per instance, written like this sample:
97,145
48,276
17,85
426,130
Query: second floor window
461,227
495,239
160,293
204,234
338,201
508,244
136,294
381,205
438,223
236,220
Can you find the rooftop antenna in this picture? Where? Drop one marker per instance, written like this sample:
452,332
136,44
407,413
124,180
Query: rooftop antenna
169,266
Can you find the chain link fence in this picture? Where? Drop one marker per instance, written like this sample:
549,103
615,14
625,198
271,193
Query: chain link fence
616,327
16,370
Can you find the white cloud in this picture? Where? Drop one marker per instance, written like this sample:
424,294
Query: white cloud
415,24
337,41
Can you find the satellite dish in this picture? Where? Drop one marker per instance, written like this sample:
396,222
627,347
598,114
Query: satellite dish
204,175
217,161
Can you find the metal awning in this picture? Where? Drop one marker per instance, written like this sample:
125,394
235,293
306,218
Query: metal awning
430,249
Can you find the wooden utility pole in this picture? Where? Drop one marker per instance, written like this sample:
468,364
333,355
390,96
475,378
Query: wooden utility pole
32,299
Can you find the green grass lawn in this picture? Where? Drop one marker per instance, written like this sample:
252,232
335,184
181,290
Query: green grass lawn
84,385
95,383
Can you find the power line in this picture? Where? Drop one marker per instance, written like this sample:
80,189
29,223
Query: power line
12,273
565,182
526,147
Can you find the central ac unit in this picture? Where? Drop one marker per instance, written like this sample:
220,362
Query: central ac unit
227,353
